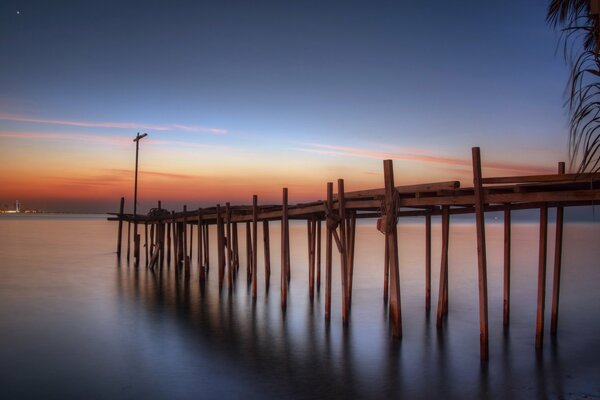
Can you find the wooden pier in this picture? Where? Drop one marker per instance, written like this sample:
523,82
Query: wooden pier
170,241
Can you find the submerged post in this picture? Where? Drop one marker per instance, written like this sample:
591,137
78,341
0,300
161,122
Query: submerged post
343,250
319,255
267,252
284,259
443,289
557,261
541,294
120,229
507,235
428,262
328,250
391,234
254,245
481,255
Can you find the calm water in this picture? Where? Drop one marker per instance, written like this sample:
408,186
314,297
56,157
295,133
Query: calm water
74,323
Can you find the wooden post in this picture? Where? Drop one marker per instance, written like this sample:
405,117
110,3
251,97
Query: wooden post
541,297
507,239
184,238
249,267
284,259
206,247
200,239
319,255
344,250
150,248
236,248
386,271
557,261
128,238
311,227
481,256
254,245
168,232
441,308
351,242
428,262
328,251
267,253
392,242
220,253
136,250
229,249
147,245
191,241
120,229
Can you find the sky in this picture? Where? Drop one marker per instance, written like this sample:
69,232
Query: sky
247,97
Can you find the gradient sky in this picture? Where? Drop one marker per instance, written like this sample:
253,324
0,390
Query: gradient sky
246,97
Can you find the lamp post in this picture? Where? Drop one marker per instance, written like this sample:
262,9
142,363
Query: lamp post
136,239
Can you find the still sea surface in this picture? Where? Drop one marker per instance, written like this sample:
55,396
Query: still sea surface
75,323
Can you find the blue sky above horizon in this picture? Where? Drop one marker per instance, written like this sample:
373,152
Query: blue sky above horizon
244,98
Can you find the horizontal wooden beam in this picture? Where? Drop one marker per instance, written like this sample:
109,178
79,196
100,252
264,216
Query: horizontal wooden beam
542,178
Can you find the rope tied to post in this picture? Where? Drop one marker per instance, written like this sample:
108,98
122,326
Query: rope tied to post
331,218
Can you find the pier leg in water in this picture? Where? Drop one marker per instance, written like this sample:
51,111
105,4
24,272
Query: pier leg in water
254,246
248,253
318,256
329,225
220,253
443,267
392,241
267,252
507,234
184,255
386,271
428,262
120,229
351,241
236,249
557,261
128,238
229,247
343,251
284,258
146,244
541,294
481,256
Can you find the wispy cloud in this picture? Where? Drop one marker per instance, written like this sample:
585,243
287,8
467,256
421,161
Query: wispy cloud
419,156
114,125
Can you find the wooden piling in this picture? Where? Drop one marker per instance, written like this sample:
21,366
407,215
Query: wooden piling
386,271
541,296
254,245
311,228
200,243
507,255
428,262
168,233
267,254
128,238
481,256
319,255
229,247
443,284
120,228
557,261
391,233
236,248
343,251
249,266
146,244
284,258
184,238
206,247
351,242
328,250
220,253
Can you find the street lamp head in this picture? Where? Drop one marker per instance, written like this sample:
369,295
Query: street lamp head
138,137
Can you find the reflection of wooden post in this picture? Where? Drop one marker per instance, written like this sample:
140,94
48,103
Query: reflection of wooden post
319,255
392,242
284,259
254,245
343,250
442,296
541,296
120,229
557,261
507,236
328,252
267,252
428,262
481,256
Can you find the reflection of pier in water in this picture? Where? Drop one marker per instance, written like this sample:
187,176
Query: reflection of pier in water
170,236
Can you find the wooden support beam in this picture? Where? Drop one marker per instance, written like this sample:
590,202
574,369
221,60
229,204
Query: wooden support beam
200,243
236,249
507,256
392,242
443,284
284,259
191,241
184,239
328,251
343,252
128,238
151,244
267,252
586,177
254,246
120,228
428,262
249,266
541,294
351,242
386,271
146,244
220,252
481,256
228,247
206,247
557,261
318,255
168,232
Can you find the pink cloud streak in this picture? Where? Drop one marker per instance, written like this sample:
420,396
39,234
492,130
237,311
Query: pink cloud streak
417,156
114,125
